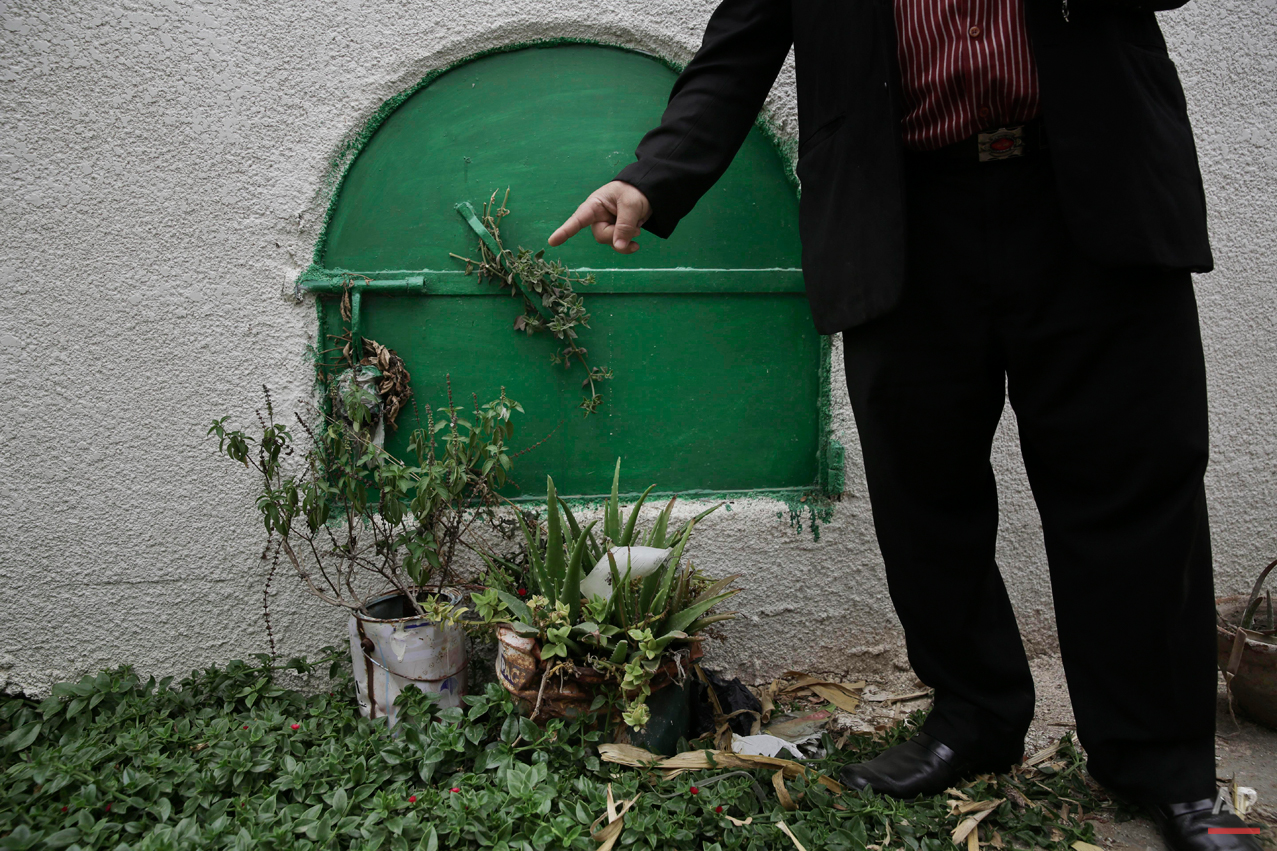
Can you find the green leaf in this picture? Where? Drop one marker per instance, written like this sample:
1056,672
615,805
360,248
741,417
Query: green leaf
651,583
595,552
698,518
718,587
612,511
22,737
515,605
661,643
535,566
662,596
62,838
700,623
551,649
680,621
625,593
554,558
656,538
572,576
616,602
627,536
573,526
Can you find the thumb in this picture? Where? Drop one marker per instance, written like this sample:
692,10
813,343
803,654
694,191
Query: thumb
631,212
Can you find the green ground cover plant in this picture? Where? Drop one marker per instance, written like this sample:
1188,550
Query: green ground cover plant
228,758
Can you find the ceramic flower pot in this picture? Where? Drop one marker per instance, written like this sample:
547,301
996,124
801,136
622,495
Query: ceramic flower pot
1251,657
570,693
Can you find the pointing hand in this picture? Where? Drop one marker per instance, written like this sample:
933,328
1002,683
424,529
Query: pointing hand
613,213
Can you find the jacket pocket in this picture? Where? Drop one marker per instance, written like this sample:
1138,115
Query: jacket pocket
818,135
1155,73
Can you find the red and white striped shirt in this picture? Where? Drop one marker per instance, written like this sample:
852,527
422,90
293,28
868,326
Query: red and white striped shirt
967,66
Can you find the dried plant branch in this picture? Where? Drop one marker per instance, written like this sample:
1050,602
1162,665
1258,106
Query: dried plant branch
546,287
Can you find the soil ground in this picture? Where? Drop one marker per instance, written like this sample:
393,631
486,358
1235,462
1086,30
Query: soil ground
1245,751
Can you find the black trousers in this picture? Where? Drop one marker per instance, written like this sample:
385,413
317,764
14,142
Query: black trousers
1104,370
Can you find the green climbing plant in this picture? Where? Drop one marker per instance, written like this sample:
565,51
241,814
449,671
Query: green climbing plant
548,290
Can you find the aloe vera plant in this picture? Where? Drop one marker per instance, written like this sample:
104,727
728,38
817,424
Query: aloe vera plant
626,632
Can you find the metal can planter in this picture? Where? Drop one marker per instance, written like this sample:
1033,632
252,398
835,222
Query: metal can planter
570,692
1251,659
392,648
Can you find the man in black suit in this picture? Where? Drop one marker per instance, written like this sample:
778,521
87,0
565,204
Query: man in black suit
1001,199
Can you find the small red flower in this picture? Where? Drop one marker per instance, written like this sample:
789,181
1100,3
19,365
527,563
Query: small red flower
454,789
523,592
694,790
718,809
297,726
412,799
108,808
64,809
245,726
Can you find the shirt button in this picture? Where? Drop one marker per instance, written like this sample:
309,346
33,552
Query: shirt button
974,32
983,112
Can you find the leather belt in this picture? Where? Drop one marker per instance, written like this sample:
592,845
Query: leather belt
1002,143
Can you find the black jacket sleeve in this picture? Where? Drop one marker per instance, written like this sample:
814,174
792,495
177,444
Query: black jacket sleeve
711,109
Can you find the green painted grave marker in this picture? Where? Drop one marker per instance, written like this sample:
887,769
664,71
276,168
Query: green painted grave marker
718,368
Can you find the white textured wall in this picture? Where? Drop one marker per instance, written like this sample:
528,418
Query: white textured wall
165,167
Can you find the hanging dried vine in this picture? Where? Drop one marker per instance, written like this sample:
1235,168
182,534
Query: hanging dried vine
530,276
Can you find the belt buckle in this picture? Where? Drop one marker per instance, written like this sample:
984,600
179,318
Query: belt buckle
1001,144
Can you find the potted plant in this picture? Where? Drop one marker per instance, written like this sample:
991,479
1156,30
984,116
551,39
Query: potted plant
1246,638
377,536
621,636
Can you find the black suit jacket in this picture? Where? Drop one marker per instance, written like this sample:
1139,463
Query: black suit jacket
1114,110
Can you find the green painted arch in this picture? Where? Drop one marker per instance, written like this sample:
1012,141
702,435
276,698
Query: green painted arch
602,100
718,368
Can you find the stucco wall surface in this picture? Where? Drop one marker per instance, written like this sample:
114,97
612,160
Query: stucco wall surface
166,166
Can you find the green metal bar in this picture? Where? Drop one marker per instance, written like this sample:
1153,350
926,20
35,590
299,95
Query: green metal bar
786,493
356,325
338,284
607,282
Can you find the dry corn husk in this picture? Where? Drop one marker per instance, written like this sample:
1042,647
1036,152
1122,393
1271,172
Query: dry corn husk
699,760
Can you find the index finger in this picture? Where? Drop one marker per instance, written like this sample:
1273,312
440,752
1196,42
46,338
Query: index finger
591,211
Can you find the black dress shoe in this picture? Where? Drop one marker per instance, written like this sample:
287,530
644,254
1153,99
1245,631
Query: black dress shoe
1186,827
919,767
